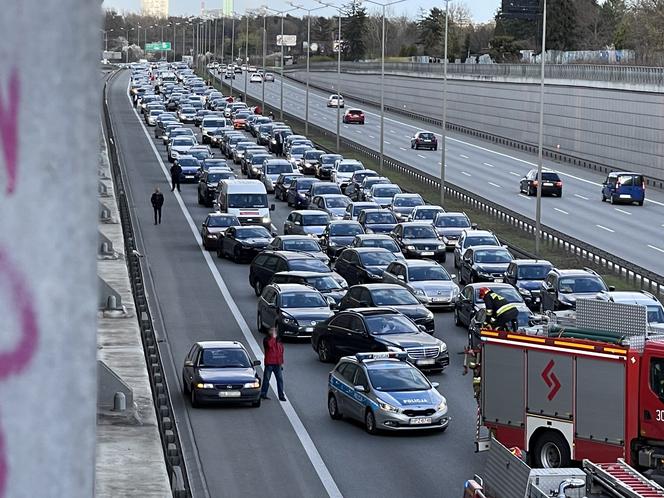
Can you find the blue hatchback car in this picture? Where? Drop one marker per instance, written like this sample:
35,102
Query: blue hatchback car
624,186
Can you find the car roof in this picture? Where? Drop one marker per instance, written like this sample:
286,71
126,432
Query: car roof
294,237
383,236
372,311
300,273
574,271
488,248
292,287
412,263
217,214
404,194
416,223
291,254
380,286
527,262
221,344
343,222
491,285
633,297
369,249
479,232
305,212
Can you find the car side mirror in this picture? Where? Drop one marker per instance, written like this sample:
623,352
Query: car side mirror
422,328
256,363
551,290
360,389
435,385
188,363
401,277
454,277
474,226
272,207
611,288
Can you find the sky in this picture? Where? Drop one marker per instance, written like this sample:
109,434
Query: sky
482,10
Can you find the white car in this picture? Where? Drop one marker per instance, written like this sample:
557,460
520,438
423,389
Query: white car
269,76
255,78
335,101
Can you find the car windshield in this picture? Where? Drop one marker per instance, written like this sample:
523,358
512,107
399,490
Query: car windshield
180,142
329,158
305,183
188,162
390,324
315,219
393,297
426,136
275,169
377,258
223,221
452,221
390,191
247,201
533,272
313,154
420,232
380,218
200,154
312,264
299,150
258,159
569,285
420,274
481,241
214,123
345,229
324,283
655,314
388,244
337,202
349,168
426,214
224,358
252,233
492,256
306,245
550,177
215,177
407,202
302,300
395,379
326,188
509,293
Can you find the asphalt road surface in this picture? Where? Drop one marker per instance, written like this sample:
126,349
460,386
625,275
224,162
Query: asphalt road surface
628,231
280,449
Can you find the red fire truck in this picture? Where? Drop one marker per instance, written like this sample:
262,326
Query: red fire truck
590,388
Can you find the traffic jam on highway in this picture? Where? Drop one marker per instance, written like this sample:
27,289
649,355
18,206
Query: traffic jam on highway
357,271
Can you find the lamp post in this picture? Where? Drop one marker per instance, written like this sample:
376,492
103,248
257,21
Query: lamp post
174,39
538,208
443,135
338,89
382,81
282,13
264,54
246,58
306,98
232,51
215,38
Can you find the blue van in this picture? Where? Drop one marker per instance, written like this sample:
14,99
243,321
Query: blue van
624,186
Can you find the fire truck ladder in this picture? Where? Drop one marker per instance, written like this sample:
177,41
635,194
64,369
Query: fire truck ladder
623,479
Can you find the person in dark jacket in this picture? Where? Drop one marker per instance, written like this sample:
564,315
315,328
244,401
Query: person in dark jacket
176,171
157,201
273,363
500,314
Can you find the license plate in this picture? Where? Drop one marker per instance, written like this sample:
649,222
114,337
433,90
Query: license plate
439,299
309,329
625,196
498,280
420,421
229,394
427,253
548,184
427,361
189,176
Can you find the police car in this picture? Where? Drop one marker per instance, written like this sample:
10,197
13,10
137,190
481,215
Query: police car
385,392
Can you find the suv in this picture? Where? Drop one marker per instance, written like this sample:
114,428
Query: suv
623,186
526,276
653,307
561,288
424,139
354,116
551,183
470,238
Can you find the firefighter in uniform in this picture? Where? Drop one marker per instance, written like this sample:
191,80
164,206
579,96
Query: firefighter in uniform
500,314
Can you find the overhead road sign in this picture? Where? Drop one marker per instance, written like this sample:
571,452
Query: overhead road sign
286,40
157,46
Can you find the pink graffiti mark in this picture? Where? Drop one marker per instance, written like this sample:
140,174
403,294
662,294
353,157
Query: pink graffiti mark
20,299
9,128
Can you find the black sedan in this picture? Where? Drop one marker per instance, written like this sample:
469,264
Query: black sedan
377,329
418,239
243,242
282,184
551,183
325,283
214,225
299,243
527,275
338,235
326,164
359,265
484,264
293,309
392,295
220,371
468,302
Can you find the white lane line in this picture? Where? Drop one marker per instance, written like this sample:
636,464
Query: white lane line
655,248
305,439
489,165
495,185
420,155
392,131
358,131
407,136
513,173
604,228
402,148
463,156
525,196
345,126
388,143
581,197
465,173
371,136
560,210
623,211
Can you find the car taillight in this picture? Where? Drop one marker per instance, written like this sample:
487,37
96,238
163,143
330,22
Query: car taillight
559,184
643,185
534,183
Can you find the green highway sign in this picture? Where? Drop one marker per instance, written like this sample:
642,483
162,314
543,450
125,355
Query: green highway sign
157,46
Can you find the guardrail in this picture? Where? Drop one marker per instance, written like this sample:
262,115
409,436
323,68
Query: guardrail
632,75
630,272
175,464
552,154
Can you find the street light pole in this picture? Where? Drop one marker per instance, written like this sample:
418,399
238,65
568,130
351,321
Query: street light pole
246,60
223,35
264,53
538,209
339,84
215,37
443,136
281,98
232,52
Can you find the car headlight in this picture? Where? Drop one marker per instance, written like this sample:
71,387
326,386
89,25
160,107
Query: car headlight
410,248
442,406
429,316
419,292
265,219
441,247
482,273
201,385
252,385
525,292
394,349
443,347
254,169
289,321
388,408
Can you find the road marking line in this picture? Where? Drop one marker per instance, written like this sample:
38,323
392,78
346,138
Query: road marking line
463,156
525,196
402,148
371,136
345,126
581,197
420,155
514,173
495,185
655,248
604,228
560,211
489,165
407,136
465,173
392,131
623,211
305,439
388,143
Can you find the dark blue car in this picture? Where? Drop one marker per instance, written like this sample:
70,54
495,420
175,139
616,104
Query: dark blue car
190,169
296,196
623,186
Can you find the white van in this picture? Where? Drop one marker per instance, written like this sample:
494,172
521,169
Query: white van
246,199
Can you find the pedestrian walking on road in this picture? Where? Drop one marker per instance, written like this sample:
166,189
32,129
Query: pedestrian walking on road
157,201
176,171
273,363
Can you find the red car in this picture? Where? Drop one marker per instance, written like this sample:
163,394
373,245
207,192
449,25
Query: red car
354,116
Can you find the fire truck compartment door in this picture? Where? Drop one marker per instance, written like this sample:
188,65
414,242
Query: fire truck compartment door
550,389
502,379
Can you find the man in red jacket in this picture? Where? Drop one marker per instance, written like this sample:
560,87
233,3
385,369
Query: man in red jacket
274,360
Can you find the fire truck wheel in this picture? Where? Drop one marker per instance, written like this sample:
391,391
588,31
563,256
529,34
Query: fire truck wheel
551,451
